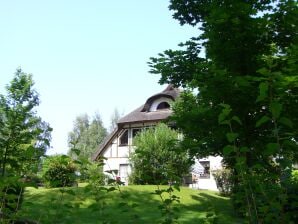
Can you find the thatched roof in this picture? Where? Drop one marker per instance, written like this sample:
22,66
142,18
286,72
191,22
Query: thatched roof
141,115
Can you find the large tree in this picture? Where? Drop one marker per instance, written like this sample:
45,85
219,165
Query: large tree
114,119
86,136
246,109
24,137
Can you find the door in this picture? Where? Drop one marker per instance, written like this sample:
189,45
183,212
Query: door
124,170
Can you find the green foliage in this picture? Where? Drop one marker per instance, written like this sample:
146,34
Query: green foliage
157,158
58,171
224,181
294,176
291,186
95,174
168,211
86,136
24,139
246,106
97,179
11,194
81,207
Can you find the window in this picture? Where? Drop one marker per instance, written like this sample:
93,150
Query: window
163,105
206,174
123,140
135,131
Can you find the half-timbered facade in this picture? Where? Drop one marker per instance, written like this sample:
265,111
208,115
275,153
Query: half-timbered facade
119,144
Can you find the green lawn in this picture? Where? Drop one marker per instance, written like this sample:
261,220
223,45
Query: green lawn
50,206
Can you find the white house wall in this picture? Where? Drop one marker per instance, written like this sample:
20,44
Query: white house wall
114,163
123,151
215,164
115,155
119,155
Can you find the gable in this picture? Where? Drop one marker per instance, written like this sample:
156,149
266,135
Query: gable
156,109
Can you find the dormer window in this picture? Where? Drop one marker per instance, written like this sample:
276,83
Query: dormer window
163,105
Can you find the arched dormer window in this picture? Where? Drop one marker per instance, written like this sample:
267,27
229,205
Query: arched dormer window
160,103
163,105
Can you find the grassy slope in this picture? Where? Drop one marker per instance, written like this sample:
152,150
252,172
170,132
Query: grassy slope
50,206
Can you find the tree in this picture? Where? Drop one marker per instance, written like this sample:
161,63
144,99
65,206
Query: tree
157,159
24,139
86,136
114,119
246,109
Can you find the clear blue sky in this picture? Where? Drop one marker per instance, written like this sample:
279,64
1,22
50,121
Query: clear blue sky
86,56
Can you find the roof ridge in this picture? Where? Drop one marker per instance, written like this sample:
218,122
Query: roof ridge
170,87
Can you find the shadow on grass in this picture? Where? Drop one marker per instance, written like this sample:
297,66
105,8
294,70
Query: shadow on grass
50,206
210,208
78,206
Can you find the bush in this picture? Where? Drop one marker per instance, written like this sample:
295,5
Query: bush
158,157
223,179
59,171
33,180
294,177
96,177
11,196
291,207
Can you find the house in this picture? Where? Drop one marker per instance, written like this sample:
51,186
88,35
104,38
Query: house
119,144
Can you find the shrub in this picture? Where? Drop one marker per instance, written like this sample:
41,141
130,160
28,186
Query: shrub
291,207
33,180
59,171
158,157
294,177
11,196
96,177
223,179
